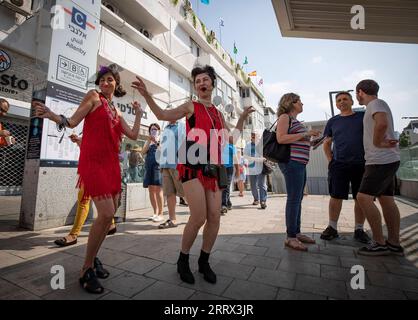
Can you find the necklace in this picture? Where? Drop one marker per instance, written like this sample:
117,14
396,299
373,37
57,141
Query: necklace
206,103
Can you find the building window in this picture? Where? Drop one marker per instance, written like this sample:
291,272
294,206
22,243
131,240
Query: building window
195,49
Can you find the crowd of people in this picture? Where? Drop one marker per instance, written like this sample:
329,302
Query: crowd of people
198,162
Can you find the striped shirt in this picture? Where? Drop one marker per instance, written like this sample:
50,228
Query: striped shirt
299,150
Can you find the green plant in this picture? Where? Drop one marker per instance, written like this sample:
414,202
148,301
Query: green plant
194,20
216,46
223,56
203,27
175,2
232,61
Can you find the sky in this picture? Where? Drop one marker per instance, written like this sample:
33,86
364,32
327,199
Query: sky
312,67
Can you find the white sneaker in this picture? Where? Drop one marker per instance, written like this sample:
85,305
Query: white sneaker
153,217
158,219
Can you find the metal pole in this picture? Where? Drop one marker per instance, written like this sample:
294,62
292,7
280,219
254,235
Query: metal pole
331,103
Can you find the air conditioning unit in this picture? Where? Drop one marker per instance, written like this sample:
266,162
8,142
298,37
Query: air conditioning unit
146,33
23,7
111,7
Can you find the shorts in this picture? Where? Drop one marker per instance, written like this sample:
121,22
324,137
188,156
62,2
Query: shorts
171,183
343,174
379,179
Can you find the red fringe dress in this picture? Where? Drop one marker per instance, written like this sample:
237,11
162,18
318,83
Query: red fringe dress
200,121
98,167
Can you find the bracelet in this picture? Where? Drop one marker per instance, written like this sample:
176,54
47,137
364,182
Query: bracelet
63,124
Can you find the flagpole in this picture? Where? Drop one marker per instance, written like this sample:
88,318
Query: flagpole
197,7
220,32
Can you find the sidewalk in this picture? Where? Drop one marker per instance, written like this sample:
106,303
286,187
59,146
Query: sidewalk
249,259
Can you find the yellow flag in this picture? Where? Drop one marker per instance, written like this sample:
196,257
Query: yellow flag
253,74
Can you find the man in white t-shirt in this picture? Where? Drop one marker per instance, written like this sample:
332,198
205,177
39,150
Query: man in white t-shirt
382,162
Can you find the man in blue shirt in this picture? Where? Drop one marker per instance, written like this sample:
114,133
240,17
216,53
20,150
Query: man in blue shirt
346,164
229,160
172,137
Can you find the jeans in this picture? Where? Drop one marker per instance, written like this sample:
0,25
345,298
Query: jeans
295,176
226,193
259,187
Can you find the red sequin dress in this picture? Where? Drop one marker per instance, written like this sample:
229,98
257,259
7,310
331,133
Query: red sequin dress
98,167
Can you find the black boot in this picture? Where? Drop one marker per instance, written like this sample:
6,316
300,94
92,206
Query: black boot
183,268
204,268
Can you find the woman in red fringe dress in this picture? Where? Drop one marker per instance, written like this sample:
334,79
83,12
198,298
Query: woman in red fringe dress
201,191
98,169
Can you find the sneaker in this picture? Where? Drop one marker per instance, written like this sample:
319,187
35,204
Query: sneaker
229,207
158,219
361,236
396,250
256,203
263,205
329,234
374,249
224,210
153,217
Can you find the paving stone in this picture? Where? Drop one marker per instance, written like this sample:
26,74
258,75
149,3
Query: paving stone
320,286
73,292
233,270
299,267
250,241
393,281
113,257
9,260
165,272
411,295
128,284
246,290
113,296
274,278
286,294
139,265
336,273
402,270
375,293
201,285
228,256
9,291
315,258
263,262
258,251
375,265
206,296
164,291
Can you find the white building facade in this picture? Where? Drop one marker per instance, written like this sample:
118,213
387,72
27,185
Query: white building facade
159,40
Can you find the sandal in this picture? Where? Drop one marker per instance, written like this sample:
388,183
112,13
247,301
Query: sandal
66,241
295,244
305,239
101,272
112,231
168,224
90,283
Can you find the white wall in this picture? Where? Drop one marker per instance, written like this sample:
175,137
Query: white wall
115,49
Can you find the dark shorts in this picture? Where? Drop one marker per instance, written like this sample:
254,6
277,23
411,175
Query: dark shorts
341,175
379,179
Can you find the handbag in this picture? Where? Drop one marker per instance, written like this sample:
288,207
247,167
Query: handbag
272,149
267,168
